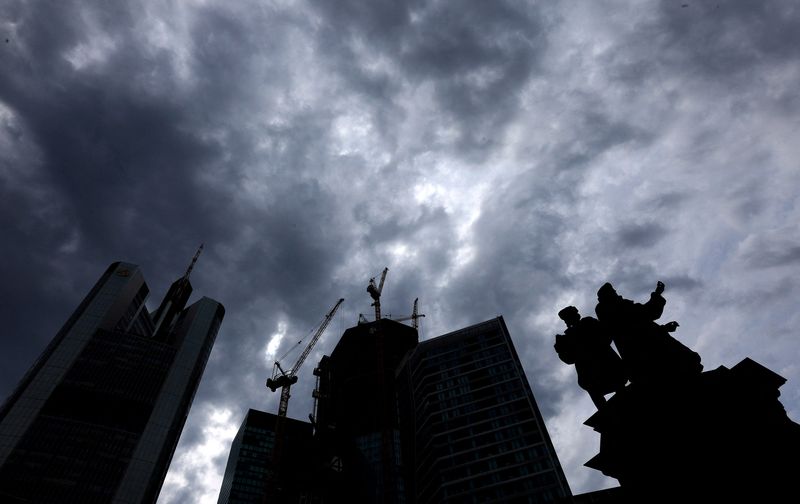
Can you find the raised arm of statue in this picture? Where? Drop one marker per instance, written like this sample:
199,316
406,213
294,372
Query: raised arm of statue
655,305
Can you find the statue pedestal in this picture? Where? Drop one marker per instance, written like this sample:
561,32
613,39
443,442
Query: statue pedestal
720,435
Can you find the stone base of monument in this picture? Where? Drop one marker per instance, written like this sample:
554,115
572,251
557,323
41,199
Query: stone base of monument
717,436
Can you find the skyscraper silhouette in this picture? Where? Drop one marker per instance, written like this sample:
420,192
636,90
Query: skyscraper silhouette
450,419
471,429
251,460
357,426
98,415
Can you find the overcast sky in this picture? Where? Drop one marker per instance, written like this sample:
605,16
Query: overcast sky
501,158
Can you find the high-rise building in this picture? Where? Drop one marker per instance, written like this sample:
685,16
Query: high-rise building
451,419
357,426
250,462
471,429
97,417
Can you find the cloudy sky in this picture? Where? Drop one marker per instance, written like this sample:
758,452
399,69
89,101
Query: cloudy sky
501,158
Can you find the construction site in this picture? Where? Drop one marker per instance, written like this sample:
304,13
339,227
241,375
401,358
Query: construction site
396,420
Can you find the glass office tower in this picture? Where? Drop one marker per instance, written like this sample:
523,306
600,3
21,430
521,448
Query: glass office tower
471,429
250,464
98,415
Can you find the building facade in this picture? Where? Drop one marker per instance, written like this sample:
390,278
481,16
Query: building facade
98,415
250,462
357,425
448,420
471,429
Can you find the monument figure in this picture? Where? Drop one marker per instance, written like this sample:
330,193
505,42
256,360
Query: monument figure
675,433
586,345
649,353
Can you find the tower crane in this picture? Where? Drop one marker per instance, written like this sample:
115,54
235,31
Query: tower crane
414,317
375,292
283,379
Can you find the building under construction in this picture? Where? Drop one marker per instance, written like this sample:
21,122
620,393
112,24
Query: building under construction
451,419
356,416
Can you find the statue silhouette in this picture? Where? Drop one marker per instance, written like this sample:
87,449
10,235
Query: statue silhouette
648,352
586,345
676,433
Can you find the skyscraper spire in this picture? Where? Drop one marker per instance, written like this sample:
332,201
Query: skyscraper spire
174,302
194,260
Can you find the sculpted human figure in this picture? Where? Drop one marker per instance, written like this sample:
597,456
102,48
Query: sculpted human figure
647,350
584,344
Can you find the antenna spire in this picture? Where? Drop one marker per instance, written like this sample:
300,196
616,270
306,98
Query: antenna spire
194,260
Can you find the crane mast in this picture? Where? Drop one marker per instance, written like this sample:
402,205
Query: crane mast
284,380
414,317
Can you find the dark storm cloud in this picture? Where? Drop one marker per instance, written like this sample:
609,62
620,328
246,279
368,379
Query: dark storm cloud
721,42
144,151
595,131
721,39
668,201
383,228
777,249
499,157
641,235
781,257
107,139
517,265
135,162
98,147
682,282
477,56
635,280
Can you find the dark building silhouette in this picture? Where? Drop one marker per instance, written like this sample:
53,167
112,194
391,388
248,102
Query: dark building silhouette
357,424
471,429
97,417
250,460
451,419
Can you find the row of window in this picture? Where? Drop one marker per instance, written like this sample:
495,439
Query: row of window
487,426
497,485
430,414
529,447
480,376
458,364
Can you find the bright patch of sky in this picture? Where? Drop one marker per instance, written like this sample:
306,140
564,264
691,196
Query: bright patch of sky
196,465
274,342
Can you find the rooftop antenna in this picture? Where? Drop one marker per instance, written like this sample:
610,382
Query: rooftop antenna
194,260
174,301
